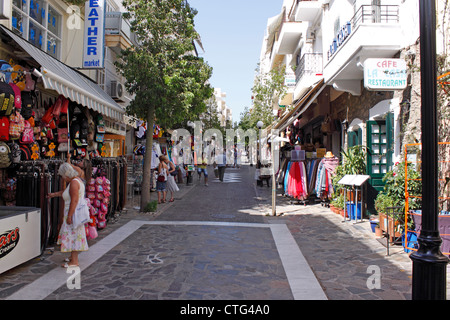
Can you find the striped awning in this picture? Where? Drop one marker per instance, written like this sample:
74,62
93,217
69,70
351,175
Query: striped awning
69,82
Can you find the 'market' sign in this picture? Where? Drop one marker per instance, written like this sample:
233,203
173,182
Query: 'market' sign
94,34
385,74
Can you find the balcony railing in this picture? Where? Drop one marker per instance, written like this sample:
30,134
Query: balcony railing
366,14
376,14
310,64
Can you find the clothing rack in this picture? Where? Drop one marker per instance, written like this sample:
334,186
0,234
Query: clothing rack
35,179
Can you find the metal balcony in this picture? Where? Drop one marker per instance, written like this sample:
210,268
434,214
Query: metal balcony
311,64
118,31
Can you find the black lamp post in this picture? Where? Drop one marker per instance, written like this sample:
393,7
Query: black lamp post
429,264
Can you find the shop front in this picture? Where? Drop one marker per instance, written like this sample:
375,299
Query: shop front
56,113
307,158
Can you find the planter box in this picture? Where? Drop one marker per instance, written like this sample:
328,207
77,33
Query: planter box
384,220
444,229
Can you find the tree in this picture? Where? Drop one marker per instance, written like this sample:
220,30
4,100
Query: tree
267,89
168,81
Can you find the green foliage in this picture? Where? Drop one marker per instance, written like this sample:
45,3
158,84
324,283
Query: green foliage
267,89
338,201
393,194
354,160
151,206
162,73
168,82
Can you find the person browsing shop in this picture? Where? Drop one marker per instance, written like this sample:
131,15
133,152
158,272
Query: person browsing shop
71,239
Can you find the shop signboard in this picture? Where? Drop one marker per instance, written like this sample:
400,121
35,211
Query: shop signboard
385,74
289,80
94,34
20,236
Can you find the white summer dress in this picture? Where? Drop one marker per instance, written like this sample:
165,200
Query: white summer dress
69,238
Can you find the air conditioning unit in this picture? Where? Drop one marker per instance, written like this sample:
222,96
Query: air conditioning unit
310,35
117,90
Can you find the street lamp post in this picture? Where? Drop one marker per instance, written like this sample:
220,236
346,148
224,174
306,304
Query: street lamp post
429,264
259,124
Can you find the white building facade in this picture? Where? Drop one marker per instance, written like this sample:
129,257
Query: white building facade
326,44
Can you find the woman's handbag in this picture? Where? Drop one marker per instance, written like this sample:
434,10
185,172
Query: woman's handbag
161,178
175,172
81,215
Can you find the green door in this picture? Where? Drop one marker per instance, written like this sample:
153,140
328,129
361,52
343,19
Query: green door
380,140
354,138
380,150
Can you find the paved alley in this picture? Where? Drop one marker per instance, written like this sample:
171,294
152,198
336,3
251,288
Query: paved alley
219,242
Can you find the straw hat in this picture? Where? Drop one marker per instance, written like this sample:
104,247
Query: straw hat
329,155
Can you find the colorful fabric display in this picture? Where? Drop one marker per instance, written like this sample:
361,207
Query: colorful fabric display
295,182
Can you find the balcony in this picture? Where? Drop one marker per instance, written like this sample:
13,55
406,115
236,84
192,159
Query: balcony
373,32
307,10
308,72
118,33
288,37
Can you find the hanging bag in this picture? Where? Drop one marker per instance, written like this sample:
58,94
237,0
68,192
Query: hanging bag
27,134
81,215
326,125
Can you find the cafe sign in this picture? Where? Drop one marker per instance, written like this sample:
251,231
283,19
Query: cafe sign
385,74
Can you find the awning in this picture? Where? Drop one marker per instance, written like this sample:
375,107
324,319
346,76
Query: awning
69,82
301,106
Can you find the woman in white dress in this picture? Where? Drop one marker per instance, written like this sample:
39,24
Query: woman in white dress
71,239
171,184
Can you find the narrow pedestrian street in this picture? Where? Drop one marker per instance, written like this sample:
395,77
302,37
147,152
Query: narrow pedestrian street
219,242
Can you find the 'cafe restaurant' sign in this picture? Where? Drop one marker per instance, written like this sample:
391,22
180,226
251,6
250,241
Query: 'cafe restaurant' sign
385,74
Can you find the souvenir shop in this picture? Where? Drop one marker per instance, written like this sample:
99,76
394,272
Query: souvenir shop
43,121
162,145
307,157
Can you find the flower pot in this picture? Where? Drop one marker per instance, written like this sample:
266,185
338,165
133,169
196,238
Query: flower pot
378,232
373,225
384,221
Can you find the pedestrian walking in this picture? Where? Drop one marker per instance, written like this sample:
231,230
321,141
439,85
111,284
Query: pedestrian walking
171,184
202,167
221,160
161,182
71,238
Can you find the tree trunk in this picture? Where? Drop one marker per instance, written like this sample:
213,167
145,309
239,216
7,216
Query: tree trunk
145,190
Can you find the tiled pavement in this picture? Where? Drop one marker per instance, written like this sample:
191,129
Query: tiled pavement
219,243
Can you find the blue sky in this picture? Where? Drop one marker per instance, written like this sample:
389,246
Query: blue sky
232,32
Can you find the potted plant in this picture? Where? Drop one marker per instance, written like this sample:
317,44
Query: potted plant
393,195
338,203
354,162
378,231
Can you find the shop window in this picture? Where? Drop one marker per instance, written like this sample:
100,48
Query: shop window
17,23
39,23
37,11
36,35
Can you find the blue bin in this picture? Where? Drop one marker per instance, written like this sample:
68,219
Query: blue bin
351,208
411,241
